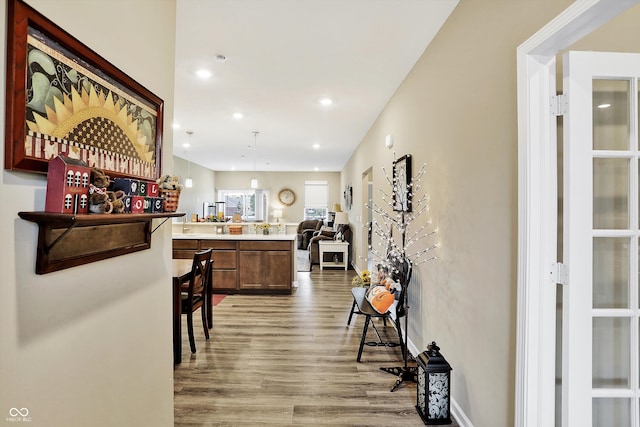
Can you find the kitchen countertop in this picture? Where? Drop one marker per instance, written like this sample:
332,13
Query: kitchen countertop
214,236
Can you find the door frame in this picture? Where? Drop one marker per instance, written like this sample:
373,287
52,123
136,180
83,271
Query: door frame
367,216
537,204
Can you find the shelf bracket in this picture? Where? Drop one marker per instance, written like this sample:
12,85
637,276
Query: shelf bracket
159,225
48,248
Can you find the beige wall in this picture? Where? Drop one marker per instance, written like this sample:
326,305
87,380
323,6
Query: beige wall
276,181
456,112
191,199
90,345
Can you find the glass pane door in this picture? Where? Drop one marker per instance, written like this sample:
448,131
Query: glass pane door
601,343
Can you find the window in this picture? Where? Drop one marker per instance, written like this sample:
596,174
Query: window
315,199
253,205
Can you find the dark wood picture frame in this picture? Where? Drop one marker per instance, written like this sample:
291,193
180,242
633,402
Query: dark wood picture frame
348,196
52,78
402,191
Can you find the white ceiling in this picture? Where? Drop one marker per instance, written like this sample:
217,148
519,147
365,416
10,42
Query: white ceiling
282,57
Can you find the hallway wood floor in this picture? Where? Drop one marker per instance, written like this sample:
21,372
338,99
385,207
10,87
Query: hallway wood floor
290,360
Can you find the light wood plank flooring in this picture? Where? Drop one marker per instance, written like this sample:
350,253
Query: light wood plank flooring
290,360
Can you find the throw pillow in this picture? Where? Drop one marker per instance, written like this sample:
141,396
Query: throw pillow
380,298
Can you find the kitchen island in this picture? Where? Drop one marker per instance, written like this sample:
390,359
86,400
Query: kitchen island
244,263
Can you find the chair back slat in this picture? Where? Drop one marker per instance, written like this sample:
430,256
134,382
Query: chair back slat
200,272
196,295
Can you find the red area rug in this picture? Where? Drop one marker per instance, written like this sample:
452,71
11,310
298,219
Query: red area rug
217,298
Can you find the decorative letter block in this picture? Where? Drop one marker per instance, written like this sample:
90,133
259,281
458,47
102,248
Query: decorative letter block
142,189
131,187
137,204
157,204
127,200
152,189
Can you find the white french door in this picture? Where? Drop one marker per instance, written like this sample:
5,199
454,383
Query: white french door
601,311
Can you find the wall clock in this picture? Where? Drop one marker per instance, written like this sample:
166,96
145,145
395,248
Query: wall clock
286,196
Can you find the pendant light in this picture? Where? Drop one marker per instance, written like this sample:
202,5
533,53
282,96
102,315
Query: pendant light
189,182
254,180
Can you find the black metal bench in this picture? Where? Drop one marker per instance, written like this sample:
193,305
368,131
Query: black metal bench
364,308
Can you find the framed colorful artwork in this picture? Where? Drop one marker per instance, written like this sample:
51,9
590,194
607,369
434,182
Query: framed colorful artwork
402,192
63,98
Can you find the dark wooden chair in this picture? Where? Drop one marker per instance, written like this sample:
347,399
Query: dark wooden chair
401,272
195,291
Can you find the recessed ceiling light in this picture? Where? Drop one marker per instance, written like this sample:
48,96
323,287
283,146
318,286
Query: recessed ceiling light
604,105
186,145
238,115
176,125
316,146
326,101
202,73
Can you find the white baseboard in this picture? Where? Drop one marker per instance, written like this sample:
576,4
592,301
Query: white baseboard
355,267
459,414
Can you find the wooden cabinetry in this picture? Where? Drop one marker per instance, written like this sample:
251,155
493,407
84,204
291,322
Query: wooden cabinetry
225,264
245,266
265,270
184,249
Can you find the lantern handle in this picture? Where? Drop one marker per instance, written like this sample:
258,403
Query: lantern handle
433,349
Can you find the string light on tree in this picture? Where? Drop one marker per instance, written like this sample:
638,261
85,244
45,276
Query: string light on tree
401,252
392,250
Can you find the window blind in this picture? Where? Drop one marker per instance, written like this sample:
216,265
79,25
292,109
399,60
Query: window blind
316,194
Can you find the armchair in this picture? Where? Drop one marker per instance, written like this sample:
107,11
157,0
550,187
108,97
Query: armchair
314,248
305,231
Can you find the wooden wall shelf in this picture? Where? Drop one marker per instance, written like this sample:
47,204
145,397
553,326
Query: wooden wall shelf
66,240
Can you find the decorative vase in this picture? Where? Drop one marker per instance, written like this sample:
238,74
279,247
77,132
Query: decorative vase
265,231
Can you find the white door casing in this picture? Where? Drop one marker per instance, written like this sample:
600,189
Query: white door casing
537,210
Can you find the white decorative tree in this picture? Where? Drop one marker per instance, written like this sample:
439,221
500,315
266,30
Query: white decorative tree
394,250
400,252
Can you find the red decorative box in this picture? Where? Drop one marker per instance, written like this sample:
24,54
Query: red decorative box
67,186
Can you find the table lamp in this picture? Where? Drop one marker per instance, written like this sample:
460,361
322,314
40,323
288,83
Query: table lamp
342,218
277,214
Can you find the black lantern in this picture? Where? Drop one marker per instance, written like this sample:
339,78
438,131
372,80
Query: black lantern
434,387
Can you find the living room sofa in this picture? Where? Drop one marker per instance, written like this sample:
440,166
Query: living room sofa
305,231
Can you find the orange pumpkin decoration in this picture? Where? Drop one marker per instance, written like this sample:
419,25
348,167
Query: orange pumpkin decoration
380,299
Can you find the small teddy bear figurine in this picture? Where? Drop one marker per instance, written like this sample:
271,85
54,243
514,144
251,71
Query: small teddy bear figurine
102,200
117,201
99,200
99,178
169,182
